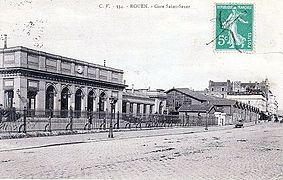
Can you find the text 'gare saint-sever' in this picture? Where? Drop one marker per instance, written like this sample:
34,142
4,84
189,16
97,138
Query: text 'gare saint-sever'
42,81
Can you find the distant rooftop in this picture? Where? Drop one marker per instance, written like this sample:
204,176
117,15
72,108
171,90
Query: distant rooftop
217,83
202,97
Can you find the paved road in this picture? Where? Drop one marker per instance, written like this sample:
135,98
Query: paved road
254,152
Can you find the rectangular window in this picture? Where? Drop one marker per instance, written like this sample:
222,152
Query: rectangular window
8,83
91,72
103,74
9,98
51,64
33,60
115,76
31,95
9,58
33,85
66,67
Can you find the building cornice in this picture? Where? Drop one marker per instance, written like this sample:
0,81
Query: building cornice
58,57
33,73
127,97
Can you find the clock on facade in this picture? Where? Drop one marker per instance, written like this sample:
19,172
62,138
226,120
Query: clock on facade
80,69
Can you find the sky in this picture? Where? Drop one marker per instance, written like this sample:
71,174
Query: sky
158,48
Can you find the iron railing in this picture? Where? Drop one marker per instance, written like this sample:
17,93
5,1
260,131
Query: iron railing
69,120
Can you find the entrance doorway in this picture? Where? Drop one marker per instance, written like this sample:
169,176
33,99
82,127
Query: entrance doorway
49,103
102,99
78,103
64,102
90,99
101,105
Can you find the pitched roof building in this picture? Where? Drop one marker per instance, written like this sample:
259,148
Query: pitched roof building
186,100
198,108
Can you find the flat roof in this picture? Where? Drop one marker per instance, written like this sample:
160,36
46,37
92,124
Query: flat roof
29,50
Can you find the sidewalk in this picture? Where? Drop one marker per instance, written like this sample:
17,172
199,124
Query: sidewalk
179,153
48,141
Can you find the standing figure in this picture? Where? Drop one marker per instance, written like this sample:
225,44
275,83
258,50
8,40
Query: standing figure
231,25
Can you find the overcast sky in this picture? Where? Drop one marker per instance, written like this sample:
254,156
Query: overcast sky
160,48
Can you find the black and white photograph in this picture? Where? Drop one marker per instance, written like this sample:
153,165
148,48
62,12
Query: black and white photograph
139,89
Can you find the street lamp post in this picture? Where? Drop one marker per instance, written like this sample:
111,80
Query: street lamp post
206,124
113,101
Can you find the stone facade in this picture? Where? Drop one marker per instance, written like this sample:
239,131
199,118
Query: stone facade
254,99
272,104
42,81
220,89
256,94
137,104
144,101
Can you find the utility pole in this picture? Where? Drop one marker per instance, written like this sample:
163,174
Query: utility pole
113,101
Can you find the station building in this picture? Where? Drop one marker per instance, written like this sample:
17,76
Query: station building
144,101
42,81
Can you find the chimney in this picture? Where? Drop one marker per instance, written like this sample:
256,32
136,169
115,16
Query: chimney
124,81
104,63
132,88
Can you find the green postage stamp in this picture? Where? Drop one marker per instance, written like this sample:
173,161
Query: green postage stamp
234,27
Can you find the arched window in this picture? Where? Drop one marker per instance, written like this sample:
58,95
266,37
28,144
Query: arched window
64,102
78,102
102,99
90,99
49,100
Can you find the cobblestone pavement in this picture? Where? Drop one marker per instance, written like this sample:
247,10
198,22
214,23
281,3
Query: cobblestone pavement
254,152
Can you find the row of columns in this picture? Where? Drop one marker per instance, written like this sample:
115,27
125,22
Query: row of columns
148,107
21,101
245,115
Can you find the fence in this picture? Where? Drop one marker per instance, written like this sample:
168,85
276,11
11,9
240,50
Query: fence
31,121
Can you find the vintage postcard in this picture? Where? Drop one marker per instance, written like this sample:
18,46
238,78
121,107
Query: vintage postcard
139,89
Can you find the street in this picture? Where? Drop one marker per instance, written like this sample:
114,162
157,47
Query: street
252,152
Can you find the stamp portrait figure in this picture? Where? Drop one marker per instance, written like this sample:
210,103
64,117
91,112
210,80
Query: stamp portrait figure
234,27
235,38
